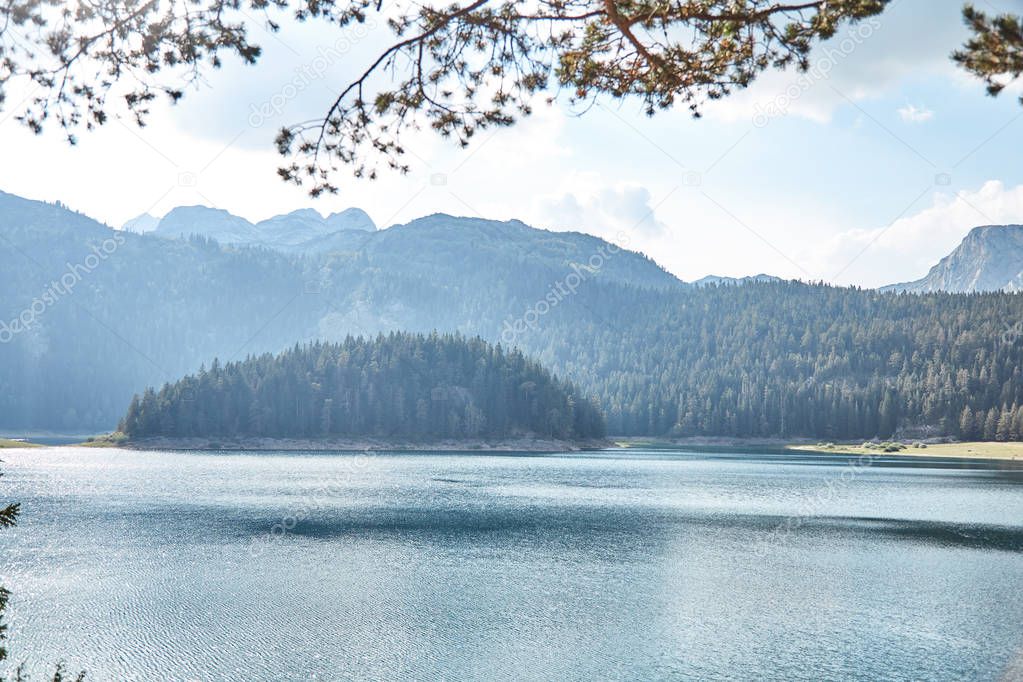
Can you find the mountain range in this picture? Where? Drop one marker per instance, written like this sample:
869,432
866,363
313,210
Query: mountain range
990,258
303,231
91,316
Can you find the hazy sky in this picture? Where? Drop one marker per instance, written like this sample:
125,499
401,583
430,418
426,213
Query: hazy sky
865,172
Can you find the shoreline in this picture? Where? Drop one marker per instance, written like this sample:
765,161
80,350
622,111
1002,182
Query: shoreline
1008,451
707,441
523,444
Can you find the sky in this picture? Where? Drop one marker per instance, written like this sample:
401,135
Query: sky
866,171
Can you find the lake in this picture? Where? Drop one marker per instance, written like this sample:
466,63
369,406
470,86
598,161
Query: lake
638,564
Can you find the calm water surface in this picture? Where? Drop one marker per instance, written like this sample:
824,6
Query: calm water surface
604,565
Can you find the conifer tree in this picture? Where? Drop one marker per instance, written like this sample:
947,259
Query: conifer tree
967,429
991,424
1003,431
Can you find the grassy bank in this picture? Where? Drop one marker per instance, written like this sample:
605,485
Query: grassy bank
107,440
8,443
968,450
701,442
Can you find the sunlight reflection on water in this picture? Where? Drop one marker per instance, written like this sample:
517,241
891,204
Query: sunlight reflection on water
637,565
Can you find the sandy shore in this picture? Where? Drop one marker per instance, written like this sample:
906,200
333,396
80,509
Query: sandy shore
1012,452
1008,451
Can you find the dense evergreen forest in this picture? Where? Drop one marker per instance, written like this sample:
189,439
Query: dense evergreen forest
400,385
789,359
658,357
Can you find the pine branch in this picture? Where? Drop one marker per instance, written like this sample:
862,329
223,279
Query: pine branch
9,515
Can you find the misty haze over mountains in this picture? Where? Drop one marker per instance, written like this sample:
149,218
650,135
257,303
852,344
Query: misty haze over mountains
304,230
990,258
171,304
91,316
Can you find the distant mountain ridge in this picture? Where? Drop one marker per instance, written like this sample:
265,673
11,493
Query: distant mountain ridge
298,231
141,224
505,245
305,231
990,258
508,249
715,280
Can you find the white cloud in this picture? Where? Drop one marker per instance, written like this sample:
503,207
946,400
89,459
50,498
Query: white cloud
913,114
908,248
607,210
911,38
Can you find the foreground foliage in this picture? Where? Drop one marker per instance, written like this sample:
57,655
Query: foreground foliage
455,68
8,518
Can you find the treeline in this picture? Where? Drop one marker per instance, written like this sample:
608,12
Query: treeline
399,385
995,424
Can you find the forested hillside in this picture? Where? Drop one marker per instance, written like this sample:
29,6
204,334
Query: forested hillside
89,316
790,359
399,385
755,359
